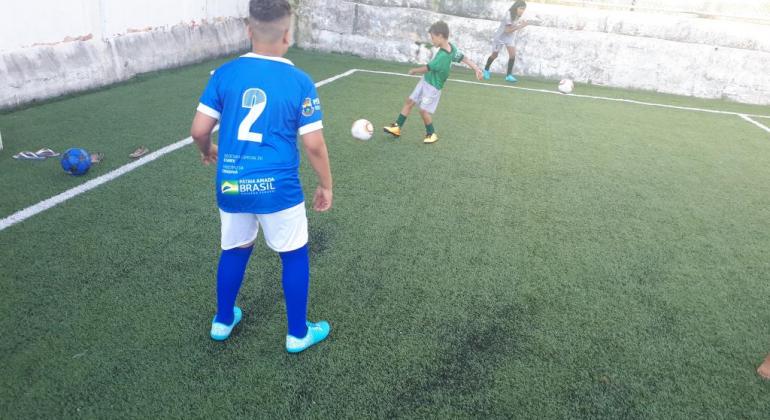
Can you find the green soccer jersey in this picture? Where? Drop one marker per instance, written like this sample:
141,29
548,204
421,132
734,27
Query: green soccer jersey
438,68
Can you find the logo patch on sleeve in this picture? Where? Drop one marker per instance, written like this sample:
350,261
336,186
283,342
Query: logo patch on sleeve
307,107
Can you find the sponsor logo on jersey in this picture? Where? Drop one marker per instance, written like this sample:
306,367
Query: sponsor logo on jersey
257,186
229,187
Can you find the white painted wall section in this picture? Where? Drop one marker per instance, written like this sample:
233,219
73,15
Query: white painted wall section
663,52
53,47
50,48
26,23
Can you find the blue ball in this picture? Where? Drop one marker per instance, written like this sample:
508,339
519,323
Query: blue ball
76,161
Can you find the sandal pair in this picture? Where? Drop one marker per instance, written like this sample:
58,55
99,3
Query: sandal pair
41,154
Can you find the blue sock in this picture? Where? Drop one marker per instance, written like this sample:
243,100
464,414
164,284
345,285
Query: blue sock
296,282
232,267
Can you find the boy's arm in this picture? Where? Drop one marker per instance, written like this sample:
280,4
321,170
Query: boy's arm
517,26
472,65
419,70
202,127
318,155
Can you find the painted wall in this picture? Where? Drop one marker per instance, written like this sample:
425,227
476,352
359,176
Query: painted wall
752,9
26,23
50,48
664,52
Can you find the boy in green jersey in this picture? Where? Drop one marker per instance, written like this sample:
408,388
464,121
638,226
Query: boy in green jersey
428,90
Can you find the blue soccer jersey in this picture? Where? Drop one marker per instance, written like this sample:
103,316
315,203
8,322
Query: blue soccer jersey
261,104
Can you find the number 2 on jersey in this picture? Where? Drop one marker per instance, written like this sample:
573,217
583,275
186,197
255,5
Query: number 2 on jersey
255,100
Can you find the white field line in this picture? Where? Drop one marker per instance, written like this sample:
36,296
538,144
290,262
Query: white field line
44,205
757,123
602,98
335,78
28,212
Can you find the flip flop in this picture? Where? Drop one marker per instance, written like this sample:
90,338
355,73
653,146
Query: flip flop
46,153
28,156
141,151
97,157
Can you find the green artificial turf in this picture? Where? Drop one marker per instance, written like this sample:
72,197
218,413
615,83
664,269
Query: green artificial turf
549,257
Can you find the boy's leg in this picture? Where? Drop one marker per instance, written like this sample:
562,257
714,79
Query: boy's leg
427,118
430,131
395,128
237,237
295,278
286,233
405,111
490,60
428,105
511,61
492,57
232,267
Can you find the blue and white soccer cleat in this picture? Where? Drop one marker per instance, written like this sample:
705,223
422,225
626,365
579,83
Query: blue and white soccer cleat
316,332
510,79
487,75
219,331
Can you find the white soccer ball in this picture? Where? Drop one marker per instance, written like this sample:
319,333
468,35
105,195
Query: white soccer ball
362,129
566,86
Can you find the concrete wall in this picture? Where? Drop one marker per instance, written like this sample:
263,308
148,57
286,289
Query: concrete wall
27,23
49,47
670,53
742,9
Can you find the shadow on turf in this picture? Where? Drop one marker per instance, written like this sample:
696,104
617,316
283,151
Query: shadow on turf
471,352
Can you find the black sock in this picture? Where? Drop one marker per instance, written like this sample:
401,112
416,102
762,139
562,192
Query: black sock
510,65
490,60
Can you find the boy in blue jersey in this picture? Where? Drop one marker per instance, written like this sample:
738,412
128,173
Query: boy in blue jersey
261,102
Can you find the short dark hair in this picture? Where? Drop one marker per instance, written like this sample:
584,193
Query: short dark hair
440,28
269,10
516,5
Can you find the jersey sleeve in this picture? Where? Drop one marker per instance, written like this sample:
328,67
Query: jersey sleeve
458,57
435,62
310,114
211,101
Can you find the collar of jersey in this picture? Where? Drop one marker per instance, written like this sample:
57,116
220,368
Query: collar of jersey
267,57
451,48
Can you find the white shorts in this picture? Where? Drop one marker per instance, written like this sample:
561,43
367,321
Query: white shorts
285,230
507,41
426,95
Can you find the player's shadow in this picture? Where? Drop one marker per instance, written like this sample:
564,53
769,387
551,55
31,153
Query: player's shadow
320,239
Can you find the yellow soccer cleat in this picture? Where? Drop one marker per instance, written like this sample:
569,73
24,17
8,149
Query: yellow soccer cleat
394,130
431,139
